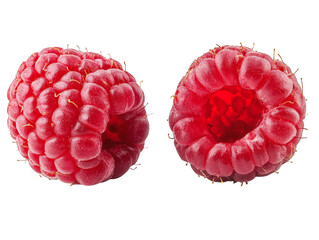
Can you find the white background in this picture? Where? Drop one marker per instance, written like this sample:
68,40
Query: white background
162,198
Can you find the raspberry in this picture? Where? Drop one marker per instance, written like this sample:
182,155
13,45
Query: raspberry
237,114
77,116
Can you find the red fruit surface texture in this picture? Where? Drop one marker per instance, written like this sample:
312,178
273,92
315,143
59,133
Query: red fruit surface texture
237,114
77,116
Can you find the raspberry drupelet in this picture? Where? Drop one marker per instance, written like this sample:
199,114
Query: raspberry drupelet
237,114
77,116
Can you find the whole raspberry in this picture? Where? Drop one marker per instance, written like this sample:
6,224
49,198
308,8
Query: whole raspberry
77,116
237,114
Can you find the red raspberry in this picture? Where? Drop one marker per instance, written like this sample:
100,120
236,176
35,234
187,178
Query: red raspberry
237,114
77,116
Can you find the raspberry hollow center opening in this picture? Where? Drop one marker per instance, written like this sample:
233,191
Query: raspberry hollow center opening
112,135
232,112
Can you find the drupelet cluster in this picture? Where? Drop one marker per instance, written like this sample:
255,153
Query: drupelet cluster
237,114
77,116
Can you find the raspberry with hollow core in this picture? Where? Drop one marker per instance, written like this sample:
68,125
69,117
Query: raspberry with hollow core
77,116
237,114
